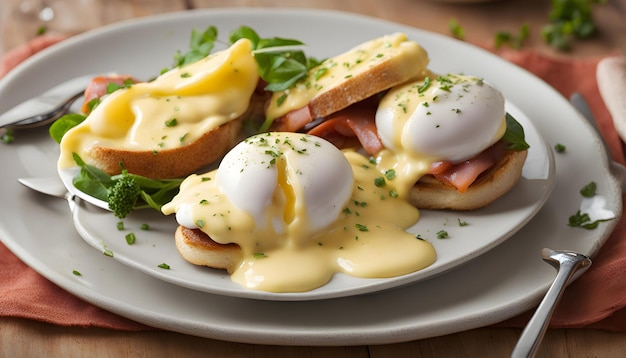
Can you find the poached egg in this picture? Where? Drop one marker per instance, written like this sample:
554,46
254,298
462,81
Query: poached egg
447,118
301,210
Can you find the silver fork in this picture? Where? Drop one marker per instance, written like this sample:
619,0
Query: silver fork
46,107
44,118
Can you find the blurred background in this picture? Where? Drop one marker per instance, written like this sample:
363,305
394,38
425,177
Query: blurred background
475,21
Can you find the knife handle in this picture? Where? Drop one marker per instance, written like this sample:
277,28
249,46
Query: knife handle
611,78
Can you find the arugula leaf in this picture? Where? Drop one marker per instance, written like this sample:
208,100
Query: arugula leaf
65,123
91,180
514,134
279,68
245,32
200,46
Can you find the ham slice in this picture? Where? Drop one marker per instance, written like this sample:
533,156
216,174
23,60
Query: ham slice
293,121
98,87
355,122
463,174
356,125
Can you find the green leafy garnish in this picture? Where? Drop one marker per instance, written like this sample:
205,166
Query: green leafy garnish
515,41
124,192
581,219
456,29
62,125
514,134
584,221
560,148
589,190
279,65
8,136
200,45
569,20
164,266
130,238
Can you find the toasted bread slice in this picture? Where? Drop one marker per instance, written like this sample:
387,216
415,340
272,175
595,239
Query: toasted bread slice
172,162
174,125
353,76
430,193
198,248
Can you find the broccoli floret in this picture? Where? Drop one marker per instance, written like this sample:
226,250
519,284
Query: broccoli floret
123,196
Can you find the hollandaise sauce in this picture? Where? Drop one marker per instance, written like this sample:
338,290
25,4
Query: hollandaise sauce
407,55
172,110
301,211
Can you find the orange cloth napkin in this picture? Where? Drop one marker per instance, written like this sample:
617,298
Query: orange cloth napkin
597,299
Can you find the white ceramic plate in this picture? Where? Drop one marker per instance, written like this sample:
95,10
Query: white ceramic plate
503,282
486,228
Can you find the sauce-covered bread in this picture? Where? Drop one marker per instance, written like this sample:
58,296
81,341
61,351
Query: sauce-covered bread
361,72
180,122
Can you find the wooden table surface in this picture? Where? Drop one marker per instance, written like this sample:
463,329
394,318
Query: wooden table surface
20,337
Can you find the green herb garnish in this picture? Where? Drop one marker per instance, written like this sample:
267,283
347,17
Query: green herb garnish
515,41
62,125
456,29
200,45
130,238
8,136
514,134
559,148
584,221
589,190
569,20
124,192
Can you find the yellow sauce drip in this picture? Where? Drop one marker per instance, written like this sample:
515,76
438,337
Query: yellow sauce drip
367,240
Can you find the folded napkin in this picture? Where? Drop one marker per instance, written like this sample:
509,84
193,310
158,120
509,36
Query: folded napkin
597,299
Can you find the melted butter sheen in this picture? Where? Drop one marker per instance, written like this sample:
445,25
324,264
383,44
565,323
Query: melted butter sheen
171,111
334,71
367,239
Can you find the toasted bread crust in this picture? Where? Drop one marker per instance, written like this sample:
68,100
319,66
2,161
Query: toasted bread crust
170,163
355,89
198,248
429,193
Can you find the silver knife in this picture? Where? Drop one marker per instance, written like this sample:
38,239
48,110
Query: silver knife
47,101
578,101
